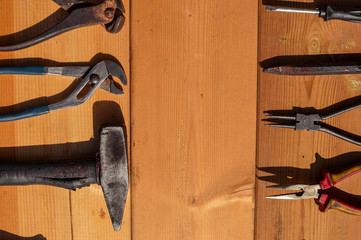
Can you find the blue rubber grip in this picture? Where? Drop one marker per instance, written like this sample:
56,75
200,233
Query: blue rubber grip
35,70
25,114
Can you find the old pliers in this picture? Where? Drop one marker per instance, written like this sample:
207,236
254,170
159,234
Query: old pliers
325,200
109,13
312,122
98,76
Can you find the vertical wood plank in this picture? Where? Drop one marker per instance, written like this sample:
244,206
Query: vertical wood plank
193,119
296,157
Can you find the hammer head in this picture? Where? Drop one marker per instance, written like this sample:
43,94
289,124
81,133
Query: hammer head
114,172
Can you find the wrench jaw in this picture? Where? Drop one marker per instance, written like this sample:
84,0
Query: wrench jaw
116,70
110,86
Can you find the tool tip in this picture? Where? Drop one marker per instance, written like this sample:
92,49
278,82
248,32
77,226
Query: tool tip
270,8
273,70
270,197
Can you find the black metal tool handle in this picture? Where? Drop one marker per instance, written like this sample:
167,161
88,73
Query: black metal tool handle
64,175
350,15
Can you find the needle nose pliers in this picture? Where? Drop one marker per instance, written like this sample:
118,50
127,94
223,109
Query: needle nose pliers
93,77
109,13
326,201
312,123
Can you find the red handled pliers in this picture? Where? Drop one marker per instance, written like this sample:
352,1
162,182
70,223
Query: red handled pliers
326,201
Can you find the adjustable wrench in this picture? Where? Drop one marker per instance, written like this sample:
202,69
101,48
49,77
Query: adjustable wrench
99,76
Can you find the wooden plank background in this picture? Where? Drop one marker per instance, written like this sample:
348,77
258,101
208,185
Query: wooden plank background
60,136
193,98
297,157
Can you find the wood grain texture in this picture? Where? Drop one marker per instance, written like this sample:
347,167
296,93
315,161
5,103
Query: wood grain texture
193,104
297,157
60,136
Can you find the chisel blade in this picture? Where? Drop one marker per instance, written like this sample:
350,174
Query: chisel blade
304,70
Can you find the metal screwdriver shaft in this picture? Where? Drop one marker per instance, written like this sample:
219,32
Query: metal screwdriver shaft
327,13
292,10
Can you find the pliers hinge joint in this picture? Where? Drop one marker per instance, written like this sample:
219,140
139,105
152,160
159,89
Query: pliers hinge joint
307,122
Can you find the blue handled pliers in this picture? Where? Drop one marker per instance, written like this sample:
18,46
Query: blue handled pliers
98,76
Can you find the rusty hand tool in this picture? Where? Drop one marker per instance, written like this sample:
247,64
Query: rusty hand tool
326,201
109,13
312,122
110,171
98,76
326,12
312,69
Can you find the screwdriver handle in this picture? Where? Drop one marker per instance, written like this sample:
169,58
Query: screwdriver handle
350,15
331,179
328,202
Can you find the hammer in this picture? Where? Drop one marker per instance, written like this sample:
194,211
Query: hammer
110,171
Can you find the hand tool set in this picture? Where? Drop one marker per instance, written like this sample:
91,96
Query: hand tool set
299,119
110,168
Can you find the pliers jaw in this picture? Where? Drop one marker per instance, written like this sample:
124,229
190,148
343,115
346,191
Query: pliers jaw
299,122
307,191
109,85
324,201
114,9
118,21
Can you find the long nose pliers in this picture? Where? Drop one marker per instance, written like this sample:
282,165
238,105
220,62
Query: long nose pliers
325,200
92,78
313,123
109,13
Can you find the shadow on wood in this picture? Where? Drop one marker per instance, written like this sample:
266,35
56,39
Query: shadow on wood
105,113
10,236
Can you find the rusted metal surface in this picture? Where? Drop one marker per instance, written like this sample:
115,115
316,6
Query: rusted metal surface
69,176
108,13
114,172
66,4
305,70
